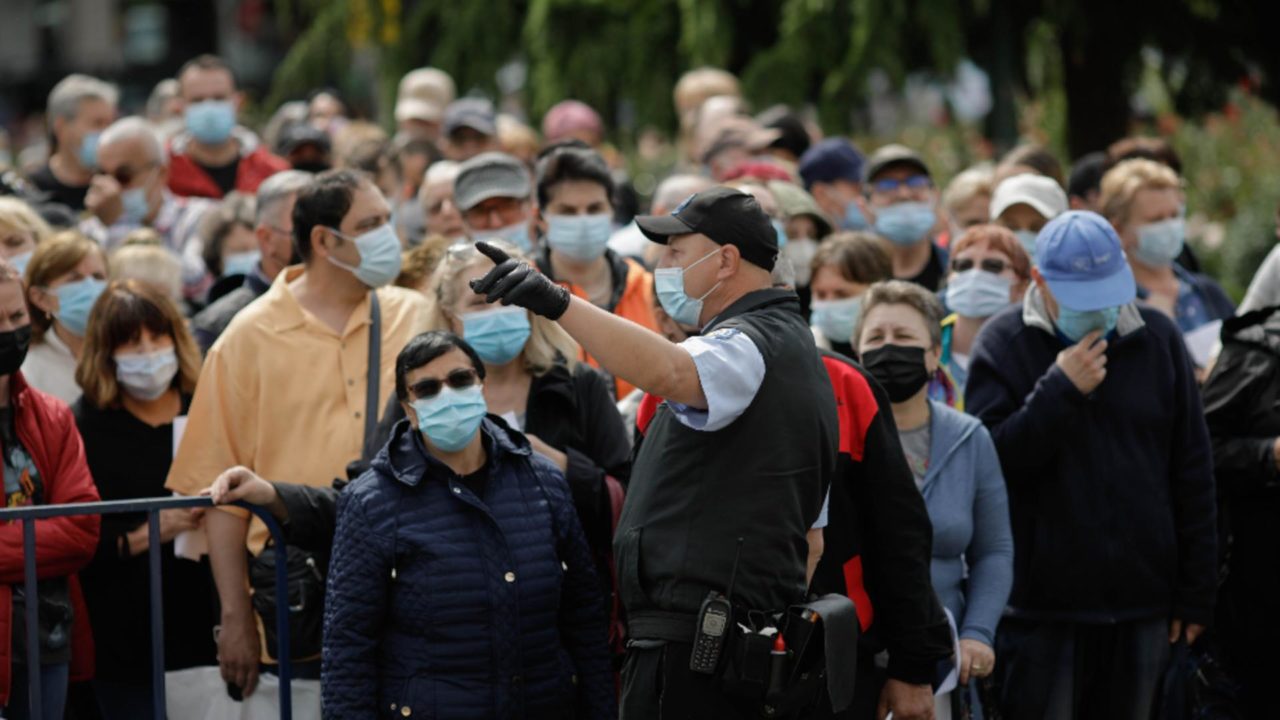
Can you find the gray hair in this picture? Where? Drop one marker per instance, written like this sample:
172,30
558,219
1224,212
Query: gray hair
672,191
163,92
275,190
135,128
66,96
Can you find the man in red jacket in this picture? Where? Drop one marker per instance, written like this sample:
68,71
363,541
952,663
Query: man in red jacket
214,155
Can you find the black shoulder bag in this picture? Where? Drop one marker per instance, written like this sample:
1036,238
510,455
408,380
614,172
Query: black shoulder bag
307,571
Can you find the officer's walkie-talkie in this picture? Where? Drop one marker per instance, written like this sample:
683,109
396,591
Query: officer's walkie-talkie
714,619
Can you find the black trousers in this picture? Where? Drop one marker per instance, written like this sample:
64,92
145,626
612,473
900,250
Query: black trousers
658,685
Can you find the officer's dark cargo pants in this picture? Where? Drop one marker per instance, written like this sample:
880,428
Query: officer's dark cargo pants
658,685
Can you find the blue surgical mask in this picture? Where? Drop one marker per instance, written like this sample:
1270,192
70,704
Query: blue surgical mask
836,318
905,223
853,218
781,233
1074,325
147,376
241,263
75,300
581,237
517,234
450,418
669,284
87,154
977,293
1160,243
211,121
379,256
136,207
1027,238
19,262
498,336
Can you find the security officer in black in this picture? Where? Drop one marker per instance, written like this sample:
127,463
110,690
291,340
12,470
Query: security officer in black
731,475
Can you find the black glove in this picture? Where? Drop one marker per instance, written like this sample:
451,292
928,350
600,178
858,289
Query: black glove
517,283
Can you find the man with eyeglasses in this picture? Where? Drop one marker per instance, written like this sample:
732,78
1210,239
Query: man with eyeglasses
493,192
129,191
273,228
284,392
903,203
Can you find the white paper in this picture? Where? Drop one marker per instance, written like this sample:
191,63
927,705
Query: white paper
953,678
1202,341
512,420
191,544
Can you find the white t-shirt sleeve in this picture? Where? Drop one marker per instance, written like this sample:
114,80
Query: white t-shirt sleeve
731,369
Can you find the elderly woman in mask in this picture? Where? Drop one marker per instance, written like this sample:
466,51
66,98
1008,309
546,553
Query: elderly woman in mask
460,582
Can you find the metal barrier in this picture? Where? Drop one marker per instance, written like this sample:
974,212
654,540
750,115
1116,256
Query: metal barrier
28,515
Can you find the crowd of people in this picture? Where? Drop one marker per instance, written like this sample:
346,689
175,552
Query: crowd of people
523,437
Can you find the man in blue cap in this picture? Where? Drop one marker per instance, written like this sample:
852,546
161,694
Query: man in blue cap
1093,404
832,173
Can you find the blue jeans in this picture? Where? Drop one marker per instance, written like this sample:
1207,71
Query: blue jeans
1075,671
53,692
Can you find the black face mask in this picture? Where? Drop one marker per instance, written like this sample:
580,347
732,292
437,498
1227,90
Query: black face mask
900,370
13,349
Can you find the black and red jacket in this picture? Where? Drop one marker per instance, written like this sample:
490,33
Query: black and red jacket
878,541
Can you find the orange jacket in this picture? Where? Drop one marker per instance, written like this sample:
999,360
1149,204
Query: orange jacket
632,299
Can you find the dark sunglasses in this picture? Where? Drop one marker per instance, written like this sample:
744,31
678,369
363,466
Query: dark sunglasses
457,379
995,266
889,185
125,175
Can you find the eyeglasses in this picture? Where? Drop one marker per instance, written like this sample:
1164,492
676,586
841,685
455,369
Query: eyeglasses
995,266
125,175
889,185
459,379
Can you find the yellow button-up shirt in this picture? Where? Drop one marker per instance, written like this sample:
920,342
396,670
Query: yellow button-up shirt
282,394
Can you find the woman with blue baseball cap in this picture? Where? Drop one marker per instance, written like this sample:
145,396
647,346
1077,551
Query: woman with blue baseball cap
1093,404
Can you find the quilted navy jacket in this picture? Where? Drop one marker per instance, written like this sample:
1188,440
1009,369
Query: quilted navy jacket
443,605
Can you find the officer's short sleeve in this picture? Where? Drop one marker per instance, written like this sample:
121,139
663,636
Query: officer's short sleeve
823,514
731,369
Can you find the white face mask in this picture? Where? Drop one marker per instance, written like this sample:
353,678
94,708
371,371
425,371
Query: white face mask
146,376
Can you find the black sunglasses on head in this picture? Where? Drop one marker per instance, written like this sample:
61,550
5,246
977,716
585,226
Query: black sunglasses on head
456,379
995,266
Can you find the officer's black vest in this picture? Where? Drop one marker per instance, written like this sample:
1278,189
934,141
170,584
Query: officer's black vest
694,493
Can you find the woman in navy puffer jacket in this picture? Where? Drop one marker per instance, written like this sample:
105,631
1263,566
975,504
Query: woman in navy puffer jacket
461,585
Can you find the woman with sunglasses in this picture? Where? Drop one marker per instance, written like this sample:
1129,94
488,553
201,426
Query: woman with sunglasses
461,584
956,469
989,272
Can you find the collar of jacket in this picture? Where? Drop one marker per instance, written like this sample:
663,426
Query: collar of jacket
407,459
948,430
618,270
1260,328
1036,315
242,135
755,300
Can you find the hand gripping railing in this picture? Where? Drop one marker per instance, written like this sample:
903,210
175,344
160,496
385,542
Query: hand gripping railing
29,514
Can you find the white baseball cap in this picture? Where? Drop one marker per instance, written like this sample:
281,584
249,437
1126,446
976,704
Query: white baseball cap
1043,194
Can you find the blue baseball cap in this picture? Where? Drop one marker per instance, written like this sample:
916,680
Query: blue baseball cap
830,160
1080,257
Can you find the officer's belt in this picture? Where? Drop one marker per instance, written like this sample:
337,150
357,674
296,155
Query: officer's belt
662,625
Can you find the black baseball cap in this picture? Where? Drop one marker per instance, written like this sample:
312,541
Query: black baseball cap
726,215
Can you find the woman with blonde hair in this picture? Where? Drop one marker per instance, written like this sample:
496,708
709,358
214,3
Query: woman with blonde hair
21,230
66,275
534,382
138,371
1144,202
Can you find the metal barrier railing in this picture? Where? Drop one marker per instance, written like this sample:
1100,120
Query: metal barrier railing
28,515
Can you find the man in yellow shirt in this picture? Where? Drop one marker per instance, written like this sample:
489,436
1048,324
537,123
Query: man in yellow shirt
283,391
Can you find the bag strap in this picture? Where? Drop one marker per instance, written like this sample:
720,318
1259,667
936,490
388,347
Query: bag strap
374,368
